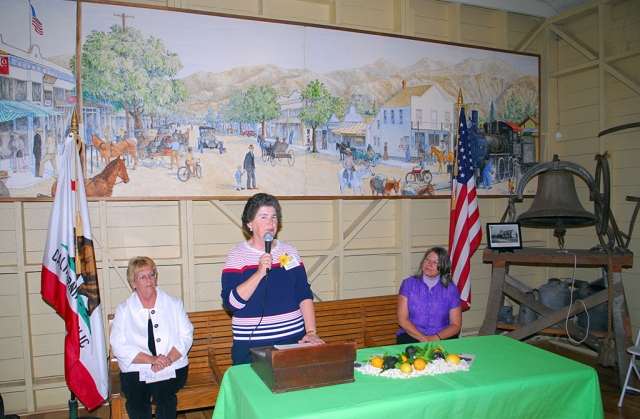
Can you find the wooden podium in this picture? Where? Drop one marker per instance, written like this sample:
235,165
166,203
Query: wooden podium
304,367
503,284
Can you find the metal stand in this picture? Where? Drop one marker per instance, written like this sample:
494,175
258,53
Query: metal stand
73,409
503,284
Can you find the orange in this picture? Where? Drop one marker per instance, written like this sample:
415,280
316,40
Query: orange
419,364
406,368
453,359
404,358
377,362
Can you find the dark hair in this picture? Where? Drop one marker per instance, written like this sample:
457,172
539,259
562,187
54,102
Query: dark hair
254,204
444,265
137,264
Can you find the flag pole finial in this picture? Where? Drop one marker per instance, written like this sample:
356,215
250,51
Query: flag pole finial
460,100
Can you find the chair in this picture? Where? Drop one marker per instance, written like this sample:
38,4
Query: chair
635,352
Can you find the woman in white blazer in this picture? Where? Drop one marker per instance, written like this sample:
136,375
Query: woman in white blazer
151,335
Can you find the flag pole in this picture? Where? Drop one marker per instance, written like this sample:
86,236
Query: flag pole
455,160
73,401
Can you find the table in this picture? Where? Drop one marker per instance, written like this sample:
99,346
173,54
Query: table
502,283
508,379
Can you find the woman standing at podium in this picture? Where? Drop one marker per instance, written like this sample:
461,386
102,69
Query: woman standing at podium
264,284
429,306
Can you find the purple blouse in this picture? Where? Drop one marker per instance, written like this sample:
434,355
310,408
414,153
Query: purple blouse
429,310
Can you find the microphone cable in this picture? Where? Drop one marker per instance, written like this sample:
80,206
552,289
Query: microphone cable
264,301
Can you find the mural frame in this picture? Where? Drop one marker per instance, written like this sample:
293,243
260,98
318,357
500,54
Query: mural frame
399,128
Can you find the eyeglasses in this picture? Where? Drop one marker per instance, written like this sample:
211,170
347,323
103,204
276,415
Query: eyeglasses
428,261
146,278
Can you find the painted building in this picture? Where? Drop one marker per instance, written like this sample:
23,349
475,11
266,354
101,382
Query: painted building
34,94
418,117
289,126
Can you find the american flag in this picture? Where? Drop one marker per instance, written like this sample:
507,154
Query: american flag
465,232
37,25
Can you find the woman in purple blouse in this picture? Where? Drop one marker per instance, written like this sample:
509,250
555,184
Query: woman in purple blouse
429,306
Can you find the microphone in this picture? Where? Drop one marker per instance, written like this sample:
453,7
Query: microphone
268,240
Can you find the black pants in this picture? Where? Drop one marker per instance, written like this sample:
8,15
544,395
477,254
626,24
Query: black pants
140,395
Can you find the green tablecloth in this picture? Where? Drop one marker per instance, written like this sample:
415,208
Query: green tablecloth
508,379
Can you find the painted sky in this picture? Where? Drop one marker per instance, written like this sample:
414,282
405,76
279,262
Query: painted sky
207,43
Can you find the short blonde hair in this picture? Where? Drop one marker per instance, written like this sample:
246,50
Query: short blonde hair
137,264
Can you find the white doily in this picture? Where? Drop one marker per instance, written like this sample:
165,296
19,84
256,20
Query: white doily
439,366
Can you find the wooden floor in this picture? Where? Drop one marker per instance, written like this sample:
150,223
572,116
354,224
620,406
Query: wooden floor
609,387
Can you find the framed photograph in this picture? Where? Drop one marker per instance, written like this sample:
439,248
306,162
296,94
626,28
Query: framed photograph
504,236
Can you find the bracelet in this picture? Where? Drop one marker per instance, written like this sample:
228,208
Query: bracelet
311,332
438,335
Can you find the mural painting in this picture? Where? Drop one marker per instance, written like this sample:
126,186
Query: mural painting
199,105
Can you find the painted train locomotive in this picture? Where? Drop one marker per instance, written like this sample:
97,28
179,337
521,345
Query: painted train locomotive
510,152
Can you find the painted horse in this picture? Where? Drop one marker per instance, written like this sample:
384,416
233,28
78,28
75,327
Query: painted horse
441,157
102,184
384,186
410,189
342,149
110,150
356,180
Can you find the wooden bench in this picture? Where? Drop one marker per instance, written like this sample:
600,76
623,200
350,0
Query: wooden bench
370,321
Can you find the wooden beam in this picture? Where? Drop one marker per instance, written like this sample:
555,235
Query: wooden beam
590,65
622,77
627,54
531,36
576,43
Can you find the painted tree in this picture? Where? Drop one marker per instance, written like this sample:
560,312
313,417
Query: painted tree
318,107
261,105
237,110
513,111
139,75
492,113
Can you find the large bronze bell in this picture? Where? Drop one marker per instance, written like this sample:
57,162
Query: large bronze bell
556,201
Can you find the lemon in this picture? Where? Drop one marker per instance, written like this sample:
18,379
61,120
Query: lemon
406,368
453,359
377,362
419,364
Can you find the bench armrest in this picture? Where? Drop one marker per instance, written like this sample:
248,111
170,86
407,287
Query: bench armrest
213,364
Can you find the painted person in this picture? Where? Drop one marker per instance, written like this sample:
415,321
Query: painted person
486,174
4,191
151,335
19,153
51,151
283,315
188,161
238,175
174,146
348,166
37,151
249,165
429,305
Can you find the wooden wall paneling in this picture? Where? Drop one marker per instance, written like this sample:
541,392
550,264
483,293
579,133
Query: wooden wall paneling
405,230
7,236
477,26
27,370
337,247
239,7
519,29
373,15
431,19
100,247
314,12
187,255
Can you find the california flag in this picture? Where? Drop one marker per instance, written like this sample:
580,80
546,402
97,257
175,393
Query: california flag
70,283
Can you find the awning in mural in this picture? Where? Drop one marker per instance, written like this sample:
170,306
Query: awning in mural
351,128
14,109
